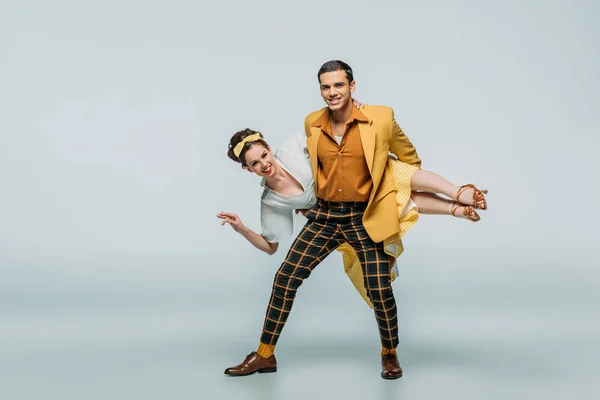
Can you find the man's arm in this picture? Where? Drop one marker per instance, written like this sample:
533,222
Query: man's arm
402,147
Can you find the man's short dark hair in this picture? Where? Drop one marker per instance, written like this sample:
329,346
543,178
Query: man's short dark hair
336,65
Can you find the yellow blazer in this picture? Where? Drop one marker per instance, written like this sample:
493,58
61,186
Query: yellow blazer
379,136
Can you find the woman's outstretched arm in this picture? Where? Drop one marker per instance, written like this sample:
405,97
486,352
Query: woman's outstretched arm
257,240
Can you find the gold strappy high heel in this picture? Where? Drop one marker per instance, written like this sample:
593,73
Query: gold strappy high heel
479,201
468,211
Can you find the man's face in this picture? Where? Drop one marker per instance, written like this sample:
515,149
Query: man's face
336,90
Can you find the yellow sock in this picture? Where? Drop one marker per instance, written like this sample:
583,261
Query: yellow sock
385,351
265,350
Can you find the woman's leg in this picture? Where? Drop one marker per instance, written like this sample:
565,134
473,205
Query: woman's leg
429,182
432,204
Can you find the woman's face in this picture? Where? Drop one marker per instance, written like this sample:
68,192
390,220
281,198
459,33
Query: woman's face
259,159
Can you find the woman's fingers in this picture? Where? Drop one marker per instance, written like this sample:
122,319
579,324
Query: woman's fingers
229,218
226,215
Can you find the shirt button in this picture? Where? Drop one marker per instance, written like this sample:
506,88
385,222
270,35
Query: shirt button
339,152
339,171
339,190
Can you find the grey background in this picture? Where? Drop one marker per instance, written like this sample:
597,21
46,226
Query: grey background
117,281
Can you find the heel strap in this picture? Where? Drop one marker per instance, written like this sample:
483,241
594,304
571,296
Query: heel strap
463,188
454,207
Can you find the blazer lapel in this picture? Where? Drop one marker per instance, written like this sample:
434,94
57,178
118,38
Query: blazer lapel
367,138
311,143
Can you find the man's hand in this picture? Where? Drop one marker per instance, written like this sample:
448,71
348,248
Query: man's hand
231,219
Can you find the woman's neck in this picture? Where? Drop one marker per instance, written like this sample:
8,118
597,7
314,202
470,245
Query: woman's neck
279,174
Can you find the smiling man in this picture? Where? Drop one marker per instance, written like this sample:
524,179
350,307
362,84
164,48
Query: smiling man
349,151
356,204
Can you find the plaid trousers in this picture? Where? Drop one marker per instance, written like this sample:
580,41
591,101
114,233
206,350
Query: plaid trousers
329,225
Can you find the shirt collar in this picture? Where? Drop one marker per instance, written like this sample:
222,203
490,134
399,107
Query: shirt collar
323,119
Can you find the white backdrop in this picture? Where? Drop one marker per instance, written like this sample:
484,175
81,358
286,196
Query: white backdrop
114,122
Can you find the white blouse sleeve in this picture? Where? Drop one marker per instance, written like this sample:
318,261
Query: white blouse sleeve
295,145
275,222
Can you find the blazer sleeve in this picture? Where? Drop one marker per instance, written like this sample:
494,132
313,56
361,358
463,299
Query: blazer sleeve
402,147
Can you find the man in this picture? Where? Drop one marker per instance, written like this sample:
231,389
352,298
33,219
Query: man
356,204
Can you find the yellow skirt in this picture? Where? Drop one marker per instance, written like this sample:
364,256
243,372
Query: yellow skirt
407,215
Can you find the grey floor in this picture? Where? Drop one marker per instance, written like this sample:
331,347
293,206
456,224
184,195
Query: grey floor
170,340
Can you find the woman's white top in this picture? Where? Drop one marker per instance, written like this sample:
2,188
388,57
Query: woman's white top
277,210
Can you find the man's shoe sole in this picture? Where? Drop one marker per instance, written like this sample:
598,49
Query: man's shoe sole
260,371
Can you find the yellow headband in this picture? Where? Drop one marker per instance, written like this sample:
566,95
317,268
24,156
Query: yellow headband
238,147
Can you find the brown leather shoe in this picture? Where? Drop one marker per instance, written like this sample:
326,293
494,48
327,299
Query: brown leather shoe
390,367
253,363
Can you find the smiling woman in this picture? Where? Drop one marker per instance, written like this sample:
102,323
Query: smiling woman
287,183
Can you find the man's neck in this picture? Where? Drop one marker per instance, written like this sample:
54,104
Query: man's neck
342,115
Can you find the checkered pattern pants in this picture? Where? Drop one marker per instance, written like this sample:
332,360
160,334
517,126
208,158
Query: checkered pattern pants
329,225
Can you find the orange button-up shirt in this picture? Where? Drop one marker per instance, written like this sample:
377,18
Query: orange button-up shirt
343,173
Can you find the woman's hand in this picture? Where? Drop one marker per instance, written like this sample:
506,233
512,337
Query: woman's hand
231,219
358,104
302,211
256,239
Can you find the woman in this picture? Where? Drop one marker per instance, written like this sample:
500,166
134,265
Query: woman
288,186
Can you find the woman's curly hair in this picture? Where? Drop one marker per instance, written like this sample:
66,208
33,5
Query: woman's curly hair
237,138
